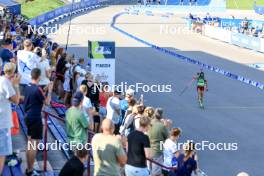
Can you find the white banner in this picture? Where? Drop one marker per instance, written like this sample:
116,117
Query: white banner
217,33
104,70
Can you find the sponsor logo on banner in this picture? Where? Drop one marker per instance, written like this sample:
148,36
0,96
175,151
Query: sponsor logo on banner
104,70
101,50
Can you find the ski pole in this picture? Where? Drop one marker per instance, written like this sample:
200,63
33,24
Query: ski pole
186,87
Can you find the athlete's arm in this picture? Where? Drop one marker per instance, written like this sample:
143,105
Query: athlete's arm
206,85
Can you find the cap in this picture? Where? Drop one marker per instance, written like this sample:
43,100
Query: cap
77,98
68,65
130,92
243,174
117,92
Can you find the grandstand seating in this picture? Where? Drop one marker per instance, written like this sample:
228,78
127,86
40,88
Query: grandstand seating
187,2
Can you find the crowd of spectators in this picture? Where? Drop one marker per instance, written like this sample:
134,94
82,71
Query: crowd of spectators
244,27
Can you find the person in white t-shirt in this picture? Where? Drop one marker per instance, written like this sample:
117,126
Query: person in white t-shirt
9,93
82,74
27,60
44,67
170,149
113,109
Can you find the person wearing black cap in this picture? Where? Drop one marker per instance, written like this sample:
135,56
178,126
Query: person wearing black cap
76,123
113,109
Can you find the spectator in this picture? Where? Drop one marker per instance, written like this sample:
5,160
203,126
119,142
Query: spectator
124,103
76,123
181,2
87,106
81,76
93,94
27,60
82,64
186,163
58,55
169,149
67,86
9,93
158,133
108,151
140,111
60,71
113,109
33,104
103,97
75,166
44,67
138,150
54,49
5,52
128,122
1,64
149,112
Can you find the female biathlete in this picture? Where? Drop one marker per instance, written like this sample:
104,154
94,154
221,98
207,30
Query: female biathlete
202,84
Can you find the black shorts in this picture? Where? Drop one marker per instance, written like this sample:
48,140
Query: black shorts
34,128
96,118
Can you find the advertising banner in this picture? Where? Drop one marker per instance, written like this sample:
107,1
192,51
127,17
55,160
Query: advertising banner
217,33
245,41
102,55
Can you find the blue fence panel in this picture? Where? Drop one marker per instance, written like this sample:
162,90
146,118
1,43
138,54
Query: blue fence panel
246,41
259,10
39,20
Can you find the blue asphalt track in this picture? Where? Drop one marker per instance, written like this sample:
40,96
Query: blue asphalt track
233,110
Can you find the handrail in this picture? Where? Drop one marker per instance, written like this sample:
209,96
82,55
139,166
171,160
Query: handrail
90,136
162,166
55,116
57,105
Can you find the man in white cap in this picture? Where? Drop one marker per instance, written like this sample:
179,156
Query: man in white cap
243,174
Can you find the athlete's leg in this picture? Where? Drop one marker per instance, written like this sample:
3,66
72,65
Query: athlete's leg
199,93
202,95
